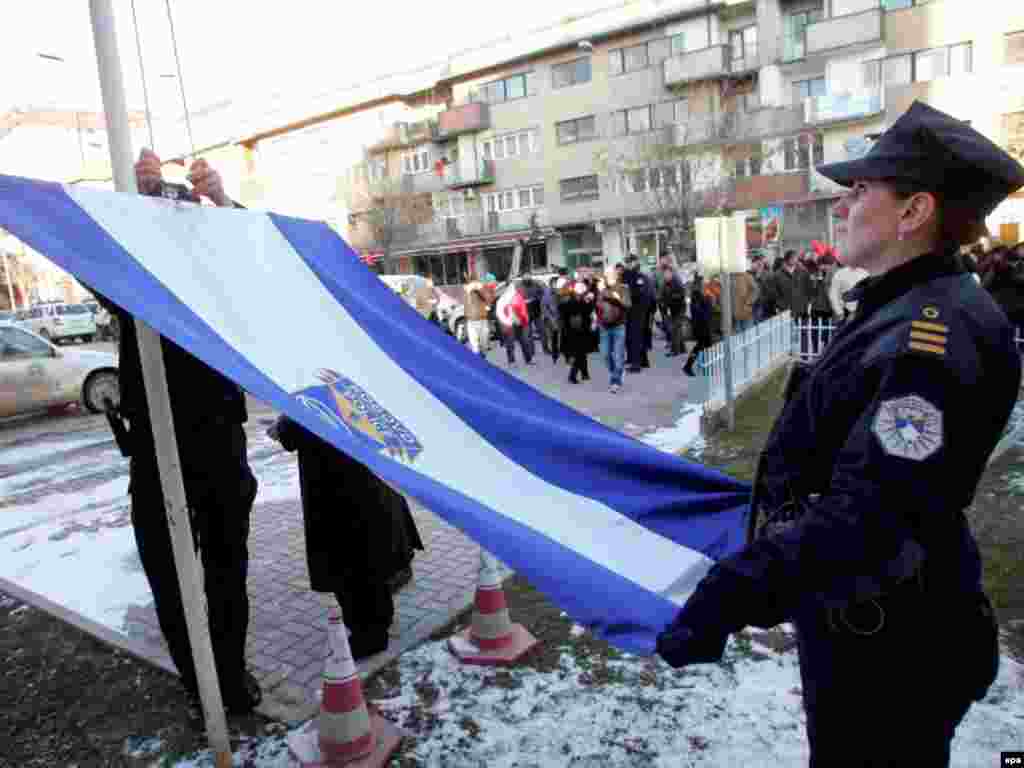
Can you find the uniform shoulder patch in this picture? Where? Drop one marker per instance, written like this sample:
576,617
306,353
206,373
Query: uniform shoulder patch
928,335
908,427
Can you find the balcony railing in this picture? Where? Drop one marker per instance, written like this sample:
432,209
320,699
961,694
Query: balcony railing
465,118
455,177
697,65
841,31
475,224
721,127
833,107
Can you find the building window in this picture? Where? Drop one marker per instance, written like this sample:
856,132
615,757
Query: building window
515,199
378,169
571,73
511,145
802,152
794,33
805,88
417,161
1014,48
636,57
506,89
927,65
872,73
635,120
579,189
572,131
743,48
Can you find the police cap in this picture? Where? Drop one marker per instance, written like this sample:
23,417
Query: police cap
942,154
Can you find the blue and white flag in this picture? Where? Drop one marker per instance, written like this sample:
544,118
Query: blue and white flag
615,532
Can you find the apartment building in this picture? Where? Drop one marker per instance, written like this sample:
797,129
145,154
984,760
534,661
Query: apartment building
966,58
577,152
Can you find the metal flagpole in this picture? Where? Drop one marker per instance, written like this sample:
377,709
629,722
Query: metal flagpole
102,14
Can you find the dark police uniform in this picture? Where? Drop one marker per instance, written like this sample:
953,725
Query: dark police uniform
860,536
638,316
208,411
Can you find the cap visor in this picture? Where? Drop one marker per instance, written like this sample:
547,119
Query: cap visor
846,173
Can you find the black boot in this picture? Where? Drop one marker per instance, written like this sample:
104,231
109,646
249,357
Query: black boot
572,377
367,642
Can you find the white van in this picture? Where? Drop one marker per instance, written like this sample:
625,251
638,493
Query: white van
58,322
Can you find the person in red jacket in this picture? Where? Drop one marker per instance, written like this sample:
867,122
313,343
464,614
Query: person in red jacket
514,320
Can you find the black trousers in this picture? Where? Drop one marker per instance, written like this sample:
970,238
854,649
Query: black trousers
579,366
367,605
703,336
637,329
220,489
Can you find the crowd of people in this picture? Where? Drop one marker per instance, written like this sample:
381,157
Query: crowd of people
612,312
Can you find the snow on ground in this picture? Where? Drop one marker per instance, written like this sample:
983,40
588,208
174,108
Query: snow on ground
77,547
24,454
624,712
684,434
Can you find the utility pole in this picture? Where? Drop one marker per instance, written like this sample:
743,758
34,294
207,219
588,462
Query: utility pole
730,395
154,375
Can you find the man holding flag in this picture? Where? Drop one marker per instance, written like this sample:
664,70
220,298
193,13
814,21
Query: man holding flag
209,411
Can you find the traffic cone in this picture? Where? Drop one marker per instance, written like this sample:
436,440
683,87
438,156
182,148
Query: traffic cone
346,732
491,639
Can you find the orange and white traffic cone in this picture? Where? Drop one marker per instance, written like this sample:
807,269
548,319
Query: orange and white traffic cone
345,733
491,639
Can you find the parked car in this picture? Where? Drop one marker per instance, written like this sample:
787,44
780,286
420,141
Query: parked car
61,322
35,374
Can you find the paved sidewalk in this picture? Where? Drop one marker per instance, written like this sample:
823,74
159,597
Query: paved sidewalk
287,630
288,622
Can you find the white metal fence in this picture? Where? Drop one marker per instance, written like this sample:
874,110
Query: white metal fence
759,349
755,351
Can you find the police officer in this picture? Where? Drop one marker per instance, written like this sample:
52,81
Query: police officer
638,319
858,529
208,411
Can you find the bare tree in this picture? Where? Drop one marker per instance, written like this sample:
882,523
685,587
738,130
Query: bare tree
679,179
385,213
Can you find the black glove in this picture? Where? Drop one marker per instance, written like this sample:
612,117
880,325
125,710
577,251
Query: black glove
679,646
716,609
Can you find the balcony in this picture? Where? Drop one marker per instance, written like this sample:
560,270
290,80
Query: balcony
399,135
704,64
457,177
466,118
843,31
475,224
837,107
738,127
766,189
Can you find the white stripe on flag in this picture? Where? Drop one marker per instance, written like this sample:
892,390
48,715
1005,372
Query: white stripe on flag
270,307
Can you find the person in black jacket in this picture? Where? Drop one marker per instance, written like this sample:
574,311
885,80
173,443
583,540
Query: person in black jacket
700,319
641,291
673,303
577,313
220,488
360,534
858,533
